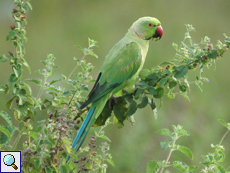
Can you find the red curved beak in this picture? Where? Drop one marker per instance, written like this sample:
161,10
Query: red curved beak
158,33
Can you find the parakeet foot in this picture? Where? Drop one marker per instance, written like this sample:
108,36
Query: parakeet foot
112,102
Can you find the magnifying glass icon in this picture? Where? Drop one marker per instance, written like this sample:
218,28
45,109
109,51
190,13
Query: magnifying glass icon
9,160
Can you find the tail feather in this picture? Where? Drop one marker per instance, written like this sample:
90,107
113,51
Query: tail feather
82,131
91,117
83,127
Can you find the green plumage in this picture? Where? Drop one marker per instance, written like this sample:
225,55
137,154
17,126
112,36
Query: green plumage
119,69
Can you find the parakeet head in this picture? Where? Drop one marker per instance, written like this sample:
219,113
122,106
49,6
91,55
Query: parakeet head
147,28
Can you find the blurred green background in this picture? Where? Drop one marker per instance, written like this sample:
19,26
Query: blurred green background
56,26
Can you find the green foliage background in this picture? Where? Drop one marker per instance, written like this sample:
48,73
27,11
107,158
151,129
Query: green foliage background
56,26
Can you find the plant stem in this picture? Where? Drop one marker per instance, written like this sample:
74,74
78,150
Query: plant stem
41,89
16,141
28,136
223,137
227,168
75,67
171,150
73,97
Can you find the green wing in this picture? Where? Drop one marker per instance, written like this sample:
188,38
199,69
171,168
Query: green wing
118,66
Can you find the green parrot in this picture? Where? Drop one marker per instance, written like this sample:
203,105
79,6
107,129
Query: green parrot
119,70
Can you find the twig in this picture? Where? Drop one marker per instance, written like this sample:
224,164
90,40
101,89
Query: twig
223,137
75,68
16,141
171,150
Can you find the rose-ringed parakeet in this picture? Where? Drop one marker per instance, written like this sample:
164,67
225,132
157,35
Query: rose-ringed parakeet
119,70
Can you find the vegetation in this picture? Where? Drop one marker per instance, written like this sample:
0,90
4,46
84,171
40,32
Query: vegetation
48,142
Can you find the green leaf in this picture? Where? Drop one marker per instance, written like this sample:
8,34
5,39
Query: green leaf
152,103
166,63
153,82
132,106
143,101
180,131
110,161
155,113
73,156
168,72
6,117
119,111
171,95
220,157
83,67
182,88
165,132
34,135
10,35
5,131
20,112
144,73
88,166
199,86
21,126
191,168
92,43
152,167
181,71
104,137
152,76
3,138
30,114
186,151
12,80
68,149
22,96
220,169
39,149
160,74
63,168
2,87
63,76
160,93
180,166
185,96
3,58
142,84
224,123
138,93
212,54
25,63
37,163
28,87
175,46
172,84
52,88
79,47
163,81
66,93
29,5
164,145
56,80
48,170
25,9
93,54
36,81
71,166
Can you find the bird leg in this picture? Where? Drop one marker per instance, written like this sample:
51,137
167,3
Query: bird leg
112,102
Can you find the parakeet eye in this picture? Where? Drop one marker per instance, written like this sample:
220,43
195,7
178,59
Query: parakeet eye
150,25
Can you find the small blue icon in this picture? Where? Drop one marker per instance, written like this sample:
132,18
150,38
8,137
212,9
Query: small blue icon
9,160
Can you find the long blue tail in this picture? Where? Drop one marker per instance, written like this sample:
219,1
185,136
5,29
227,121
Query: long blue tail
82,131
